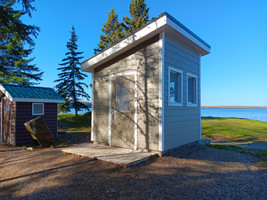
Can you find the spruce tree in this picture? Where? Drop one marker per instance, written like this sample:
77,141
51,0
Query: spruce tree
70,85
139,16
112,31
16,44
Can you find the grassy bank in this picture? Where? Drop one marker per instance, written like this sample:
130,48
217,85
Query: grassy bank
243,130
230,134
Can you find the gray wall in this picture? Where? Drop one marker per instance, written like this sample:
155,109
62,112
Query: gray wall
145,60
181,123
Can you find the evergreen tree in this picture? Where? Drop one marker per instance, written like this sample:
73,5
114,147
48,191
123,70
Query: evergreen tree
139,16
112,31
70,85
16,44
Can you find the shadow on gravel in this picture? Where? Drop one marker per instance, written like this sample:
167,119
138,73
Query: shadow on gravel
45,171
196,173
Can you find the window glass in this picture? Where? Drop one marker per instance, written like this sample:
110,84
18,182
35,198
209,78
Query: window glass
38,109
175,87
123,96
191,89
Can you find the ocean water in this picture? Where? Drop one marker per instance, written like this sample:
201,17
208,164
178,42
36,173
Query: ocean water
247,113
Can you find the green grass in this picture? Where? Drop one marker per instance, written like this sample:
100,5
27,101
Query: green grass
69,123
235,132
244,130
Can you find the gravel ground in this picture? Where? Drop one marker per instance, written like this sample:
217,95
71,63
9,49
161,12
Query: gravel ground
198,172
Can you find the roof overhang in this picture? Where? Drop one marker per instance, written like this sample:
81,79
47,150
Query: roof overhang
5,93
164,22
38,100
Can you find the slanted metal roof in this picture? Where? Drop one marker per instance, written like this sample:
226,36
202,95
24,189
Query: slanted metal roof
30,94
165,22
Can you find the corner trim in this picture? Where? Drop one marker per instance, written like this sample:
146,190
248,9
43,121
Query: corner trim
161,91
199,83
92,112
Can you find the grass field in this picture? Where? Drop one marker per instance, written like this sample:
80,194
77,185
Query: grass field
234,133
239,130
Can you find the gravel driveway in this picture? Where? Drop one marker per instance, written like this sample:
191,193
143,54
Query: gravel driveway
196,173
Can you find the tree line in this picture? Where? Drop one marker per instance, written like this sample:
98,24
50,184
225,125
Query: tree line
17,43
113,30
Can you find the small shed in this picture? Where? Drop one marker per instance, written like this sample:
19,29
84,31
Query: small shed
146,88
20,104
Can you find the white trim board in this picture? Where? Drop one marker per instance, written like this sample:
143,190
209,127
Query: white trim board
181,86
199,83
135,105
161,90
92,106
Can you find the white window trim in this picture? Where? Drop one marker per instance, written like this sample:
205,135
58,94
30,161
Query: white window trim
189,103
33,109
169,77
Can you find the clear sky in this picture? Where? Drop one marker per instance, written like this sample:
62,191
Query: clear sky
235,73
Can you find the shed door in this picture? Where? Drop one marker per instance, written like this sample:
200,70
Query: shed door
122,111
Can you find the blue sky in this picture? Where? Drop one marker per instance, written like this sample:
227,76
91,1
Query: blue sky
235,73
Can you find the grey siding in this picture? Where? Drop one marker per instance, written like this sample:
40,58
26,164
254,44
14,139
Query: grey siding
181,123
145,60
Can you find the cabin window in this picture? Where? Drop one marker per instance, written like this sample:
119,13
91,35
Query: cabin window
123,96
175,87
37,109
191,90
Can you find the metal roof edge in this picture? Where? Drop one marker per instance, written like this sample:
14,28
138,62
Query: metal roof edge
9,96
186,29
38,100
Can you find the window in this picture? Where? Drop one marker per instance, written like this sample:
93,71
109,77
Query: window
37,109
191,90
123,96
175,87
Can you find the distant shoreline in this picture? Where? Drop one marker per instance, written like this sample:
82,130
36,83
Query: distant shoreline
234,107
